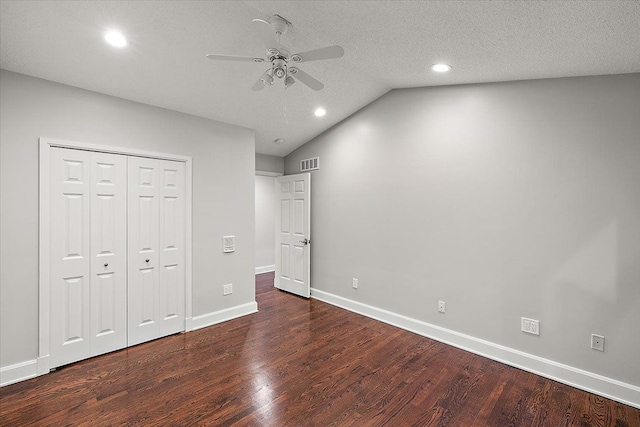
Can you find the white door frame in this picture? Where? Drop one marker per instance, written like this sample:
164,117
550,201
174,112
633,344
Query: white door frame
268,268
44,242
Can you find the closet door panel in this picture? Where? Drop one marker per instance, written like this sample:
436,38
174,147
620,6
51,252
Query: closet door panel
70,327
109,252
156,248
172,250
143,225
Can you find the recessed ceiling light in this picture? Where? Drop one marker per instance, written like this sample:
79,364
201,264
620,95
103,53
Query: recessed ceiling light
320,112
279,141
440,68
115,38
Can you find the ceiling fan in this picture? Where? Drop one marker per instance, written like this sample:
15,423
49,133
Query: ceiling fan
279,56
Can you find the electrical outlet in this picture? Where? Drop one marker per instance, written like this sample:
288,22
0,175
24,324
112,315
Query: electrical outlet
441,307
530,326
227,289
355,283
597,342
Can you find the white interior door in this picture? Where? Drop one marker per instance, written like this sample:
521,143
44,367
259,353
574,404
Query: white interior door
88,273
293,239
156,248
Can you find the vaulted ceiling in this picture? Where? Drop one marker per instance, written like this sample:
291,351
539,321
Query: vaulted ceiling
388,45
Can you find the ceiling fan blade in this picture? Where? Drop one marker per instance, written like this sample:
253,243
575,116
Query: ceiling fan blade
266,33
233,58
259,85
306,78
328,52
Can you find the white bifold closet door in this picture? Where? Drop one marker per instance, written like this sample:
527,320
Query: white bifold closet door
117,252
156,218
88,263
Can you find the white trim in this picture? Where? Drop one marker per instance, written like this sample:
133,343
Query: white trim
33,368
188,241
85,146
265,269
220,316
43,251
44,293
18,372
268,173
594,383
44,365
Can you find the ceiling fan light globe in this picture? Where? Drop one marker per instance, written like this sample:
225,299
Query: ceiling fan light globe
266,78
289,81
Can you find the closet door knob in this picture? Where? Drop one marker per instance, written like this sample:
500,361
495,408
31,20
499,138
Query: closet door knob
146,260
106,264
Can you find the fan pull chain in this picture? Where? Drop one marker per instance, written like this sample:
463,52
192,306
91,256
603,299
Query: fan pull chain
286,118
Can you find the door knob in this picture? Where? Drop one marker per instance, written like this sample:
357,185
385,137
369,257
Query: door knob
305,241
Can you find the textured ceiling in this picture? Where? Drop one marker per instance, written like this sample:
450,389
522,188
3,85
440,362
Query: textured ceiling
388,44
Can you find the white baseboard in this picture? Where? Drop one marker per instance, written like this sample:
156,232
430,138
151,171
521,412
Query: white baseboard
265,269
607,387
32,368
18,372
25,370
210,319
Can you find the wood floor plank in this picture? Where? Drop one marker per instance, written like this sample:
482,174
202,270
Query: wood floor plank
301,362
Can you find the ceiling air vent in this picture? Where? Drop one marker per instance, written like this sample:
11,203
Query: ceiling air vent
310,164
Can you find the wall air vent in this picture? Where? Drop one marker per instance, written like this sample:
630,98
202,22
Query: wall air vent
310,164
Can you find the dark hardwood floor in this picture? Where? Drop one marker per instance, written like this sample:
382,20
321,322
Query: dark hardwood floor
301,363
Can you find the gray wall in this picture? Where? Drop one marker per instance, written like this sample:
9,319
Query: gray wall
504,200
267,163
222,154
265,220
